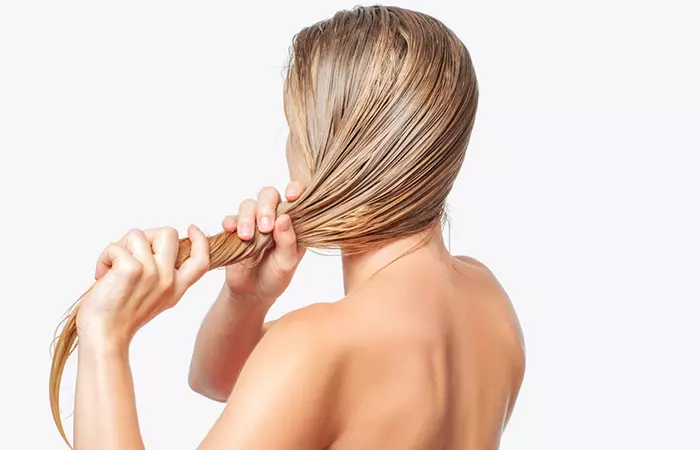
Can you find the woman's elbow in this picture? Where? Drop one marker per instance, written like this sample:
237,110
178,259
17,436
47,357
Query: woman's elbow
204,387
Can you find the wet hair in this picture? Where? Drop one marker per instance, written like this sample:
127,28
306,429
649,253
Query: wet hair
380,103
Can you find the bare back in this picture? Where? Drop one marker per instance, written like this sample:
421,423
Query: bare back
433,359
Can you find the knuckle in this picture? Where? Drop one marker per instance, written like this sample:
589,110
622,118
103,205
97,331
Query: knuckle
167,282
149,273
132,269
135,268
265,210
284,270
199,270
169,232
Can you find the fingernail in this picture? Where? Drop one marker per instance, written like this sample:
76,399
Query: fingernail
265,223
285,224
292,192
245,229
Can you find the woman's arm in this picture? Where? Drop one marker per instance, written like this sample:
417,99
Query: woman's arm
136,280
286,395
234,324
229,333
105,407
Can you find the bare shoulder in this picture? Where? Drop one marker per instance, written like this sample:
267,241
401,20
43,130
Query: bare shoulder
320,333
286,387
310,324
503,319
486,284
351,329
470,260
482,277
307,315
475,265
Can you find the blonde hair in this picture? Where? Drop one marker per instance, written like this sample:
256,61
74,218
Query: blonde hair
380,103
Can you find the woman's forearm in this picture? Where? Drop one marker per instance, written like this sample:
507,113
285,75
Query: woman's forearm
229,333
105,408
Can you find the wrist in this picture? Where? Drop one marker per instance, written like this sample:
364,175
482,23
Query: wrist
246,303
95,335
103,345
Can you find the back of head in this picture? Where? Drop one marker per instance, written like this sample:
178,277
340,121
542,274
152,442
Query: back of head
381,103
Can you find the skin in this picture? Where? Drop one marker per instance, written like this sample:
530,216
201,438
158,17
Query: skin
422,353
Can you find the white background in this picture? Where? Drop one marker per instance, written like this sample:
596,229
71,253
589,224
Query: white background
580,191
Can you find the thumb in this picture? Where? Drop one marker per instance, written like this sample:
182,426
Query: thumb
286,253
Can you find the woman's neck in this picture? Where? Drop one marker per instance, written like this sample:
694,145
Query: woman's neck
359,268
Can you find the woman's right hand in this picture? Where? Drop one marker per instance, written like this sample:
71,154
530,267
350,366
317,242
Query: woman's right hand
266,281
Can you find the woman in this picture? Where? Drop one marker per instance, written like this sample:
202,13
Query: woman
424,351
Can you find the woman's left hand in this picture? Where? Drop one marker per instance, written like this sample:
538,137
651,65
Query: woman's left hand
137,280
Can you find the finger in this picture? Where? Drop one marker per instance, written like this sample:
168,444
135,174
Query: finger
101,268
140,246
294,190
246,219
165,242
230,223
141,251
268,199
116,258
287,253
197,264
